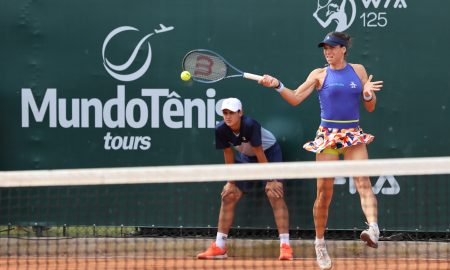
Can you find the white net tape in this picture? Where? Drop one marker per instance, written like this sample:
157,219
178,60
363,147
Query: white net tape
214,173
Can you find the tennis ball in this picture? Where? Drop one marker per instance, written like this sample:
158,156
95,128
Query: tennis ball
185,75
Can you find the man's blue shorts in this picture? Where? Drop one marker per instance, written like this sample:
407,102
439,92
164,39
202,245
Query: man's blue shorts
273,154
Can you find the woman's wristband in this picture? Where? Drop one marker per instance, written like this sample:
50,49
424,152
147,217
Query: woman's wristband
367,98
280,87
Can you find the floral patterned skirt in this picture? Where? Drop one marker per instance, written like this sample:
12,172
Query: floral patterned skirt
336,138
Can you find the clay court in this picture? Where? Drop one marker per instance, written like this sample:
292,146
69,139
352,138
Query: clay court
70,263
179,253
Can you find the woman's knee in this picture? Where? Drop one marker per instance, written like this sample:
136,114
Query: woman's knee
324,195
324,198
363,185
325,187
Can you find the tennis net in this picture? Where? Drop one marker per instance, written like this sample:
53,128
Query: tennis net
163,217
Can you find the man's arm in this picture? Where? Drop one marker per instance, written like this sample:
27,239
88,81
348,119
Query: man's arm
259,152
230,187
228,155
273,187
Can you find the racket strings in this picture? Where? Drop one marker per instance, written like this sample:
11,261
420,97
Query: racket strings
206,67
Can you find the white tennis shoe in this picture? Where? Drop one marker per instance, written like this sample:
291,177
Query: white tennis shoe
323,259
371,236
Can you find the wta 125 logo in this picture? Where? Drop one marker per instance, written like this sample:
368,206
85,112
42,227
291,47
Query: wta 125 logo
341,14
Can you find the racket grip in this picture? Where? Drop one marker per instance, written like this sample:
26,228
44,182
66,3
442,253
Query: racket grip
251,76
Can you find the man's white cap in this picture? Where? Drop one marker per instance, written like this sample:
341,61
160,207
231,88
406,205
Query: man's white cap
232,104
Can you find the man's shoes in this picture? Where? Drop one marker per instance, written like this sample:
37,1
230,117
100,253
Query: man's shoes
370,236
286,253
323,259
213,252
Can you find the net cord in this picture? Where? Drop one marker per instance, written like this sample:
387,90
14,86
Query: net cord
222,172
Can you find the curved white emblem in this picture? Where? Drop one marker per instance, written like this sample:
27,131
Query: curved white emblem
335,11
113,69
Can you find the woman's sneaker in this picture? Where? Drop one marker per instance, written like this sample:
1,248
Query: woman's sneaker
370,236
323,259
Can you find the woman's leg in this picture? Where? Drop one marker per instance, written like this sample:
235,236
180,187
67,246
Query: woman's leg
323,197
320,211
363,184
368,200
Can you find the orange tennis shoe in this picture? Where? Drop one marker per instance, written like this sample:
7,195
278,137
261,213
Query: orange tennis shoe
213,252
286,253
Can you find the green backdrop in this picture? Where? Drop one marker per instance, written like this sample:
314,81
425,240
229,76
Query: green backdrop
63,107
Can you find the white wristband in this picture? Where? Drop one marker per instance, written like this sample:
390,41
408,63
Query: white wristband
280,87
368,98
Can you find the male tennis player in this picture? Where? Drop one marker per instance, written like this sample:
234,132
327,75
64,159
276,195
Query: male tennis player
253,144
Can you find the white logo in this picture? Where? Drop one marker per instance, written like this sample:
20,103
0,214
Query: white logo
376,3
114,69
352,85
343,13
393,187
335,11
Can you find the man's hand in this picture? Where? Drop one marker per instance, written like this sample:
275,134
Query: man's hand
230,189
274,189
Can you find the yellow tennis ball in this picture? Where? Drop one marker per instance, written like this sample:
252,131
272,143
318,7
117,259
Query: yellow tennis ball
185,75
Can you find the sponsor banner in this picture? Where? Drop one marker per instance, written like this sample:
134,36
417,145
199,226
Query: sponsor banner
99,85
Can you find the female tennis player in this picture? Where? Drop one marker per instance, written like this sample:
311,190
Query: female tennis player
341,87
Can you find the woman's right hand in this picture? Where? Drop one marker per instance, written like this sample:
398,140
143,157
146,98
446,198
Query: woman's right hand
269,81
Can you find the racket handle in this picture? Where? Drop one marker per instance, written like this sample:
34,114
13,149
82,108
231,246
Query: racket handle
251,76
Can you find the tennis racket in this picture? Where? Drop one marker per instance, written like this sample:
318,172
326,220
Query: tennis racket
207,66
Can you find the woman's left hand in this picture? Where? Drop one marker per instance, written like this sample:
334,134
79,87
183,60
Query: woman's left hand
370,87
